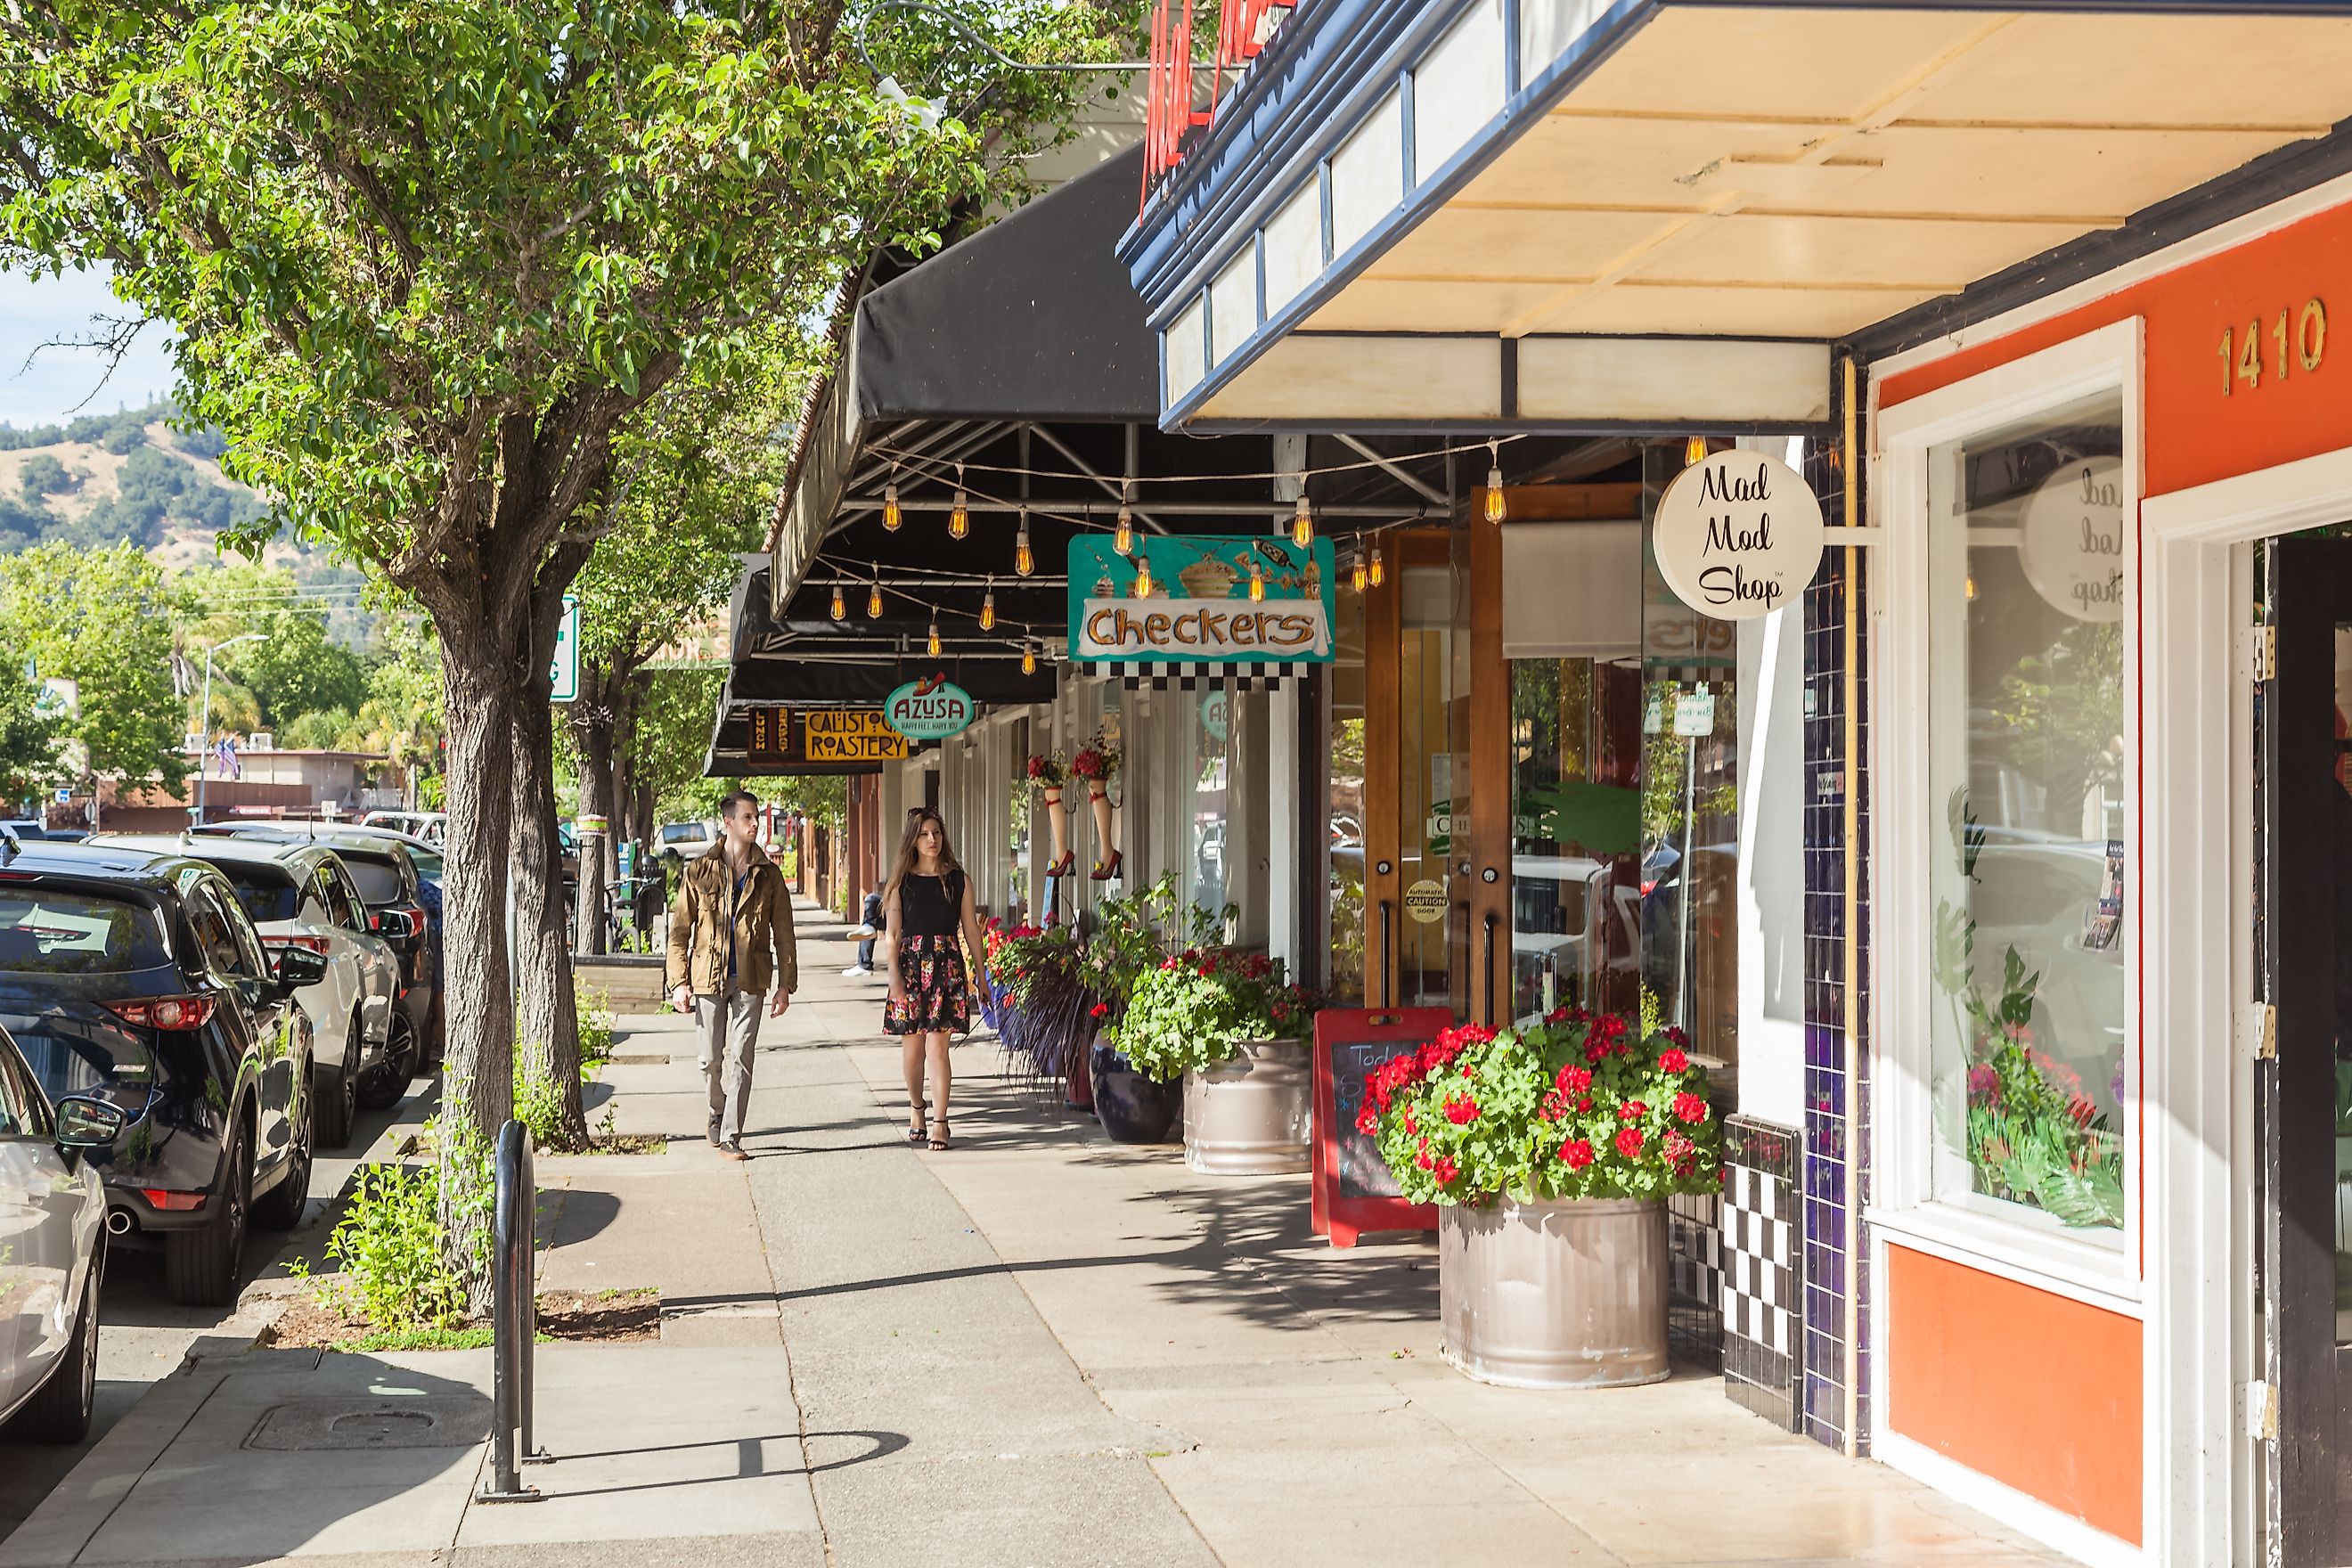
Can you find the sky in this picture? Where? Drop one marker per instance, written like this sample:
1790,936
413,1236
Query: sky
60,383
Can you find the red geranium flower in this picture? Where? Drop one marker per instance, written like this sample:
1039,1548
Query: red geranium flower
1673,1060
1462,1111
1690,1107
1368,1121
1446,1169
1411,1124
1629,1142
1575,1154
1632,1111
1574,1079
1099,1010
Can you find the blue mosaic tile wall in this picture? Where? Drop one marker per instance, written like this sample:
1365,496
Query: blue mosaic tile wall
1837,1129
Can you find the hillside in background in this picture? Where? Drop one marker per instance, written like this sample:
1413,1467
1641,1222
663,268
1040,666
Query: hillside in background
106,477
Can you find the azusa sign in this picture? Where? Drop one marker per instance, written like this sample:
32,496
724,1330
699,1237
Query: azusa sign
931,708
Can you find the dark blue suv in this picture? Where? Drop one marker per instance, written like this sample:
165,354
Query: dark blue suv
134,976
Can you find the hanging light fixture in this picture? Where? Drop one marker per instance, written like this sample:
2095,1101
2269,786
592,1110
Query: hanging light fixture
1142,589
1302,521
1257,581
1122,537
1025,560
988,607
840,605
1694,450
1497,507
891,515
1377,576
873,599
959,516
934,643
1028,658
1356,574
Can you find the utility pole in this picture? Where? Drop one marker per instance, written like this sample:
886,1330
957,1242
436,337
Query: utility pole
204,722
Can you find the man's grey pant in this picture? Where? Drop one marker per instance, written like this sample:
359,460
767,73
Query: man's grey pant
729,1026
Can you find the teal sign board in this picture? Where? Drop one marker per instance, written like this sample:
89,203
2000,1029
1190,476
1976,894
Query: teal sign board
931,708
1198,608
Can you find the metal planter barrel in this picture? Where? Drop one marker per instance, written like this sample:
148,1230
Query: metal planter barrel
1564,1293
1250,1116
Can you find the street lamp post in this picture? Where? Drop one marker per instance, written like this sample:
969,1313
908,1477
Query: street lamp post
204,722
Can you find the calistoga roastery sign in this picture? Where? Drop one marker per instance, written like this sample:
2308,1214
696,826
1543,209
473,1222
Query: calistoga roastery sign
1189,599
822,737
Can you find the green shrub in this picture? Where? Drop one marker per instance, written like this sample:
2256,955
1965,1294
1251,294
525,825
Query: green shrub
388,1246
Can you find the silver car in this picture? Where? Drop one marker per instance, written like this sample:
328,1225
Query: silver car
52,1253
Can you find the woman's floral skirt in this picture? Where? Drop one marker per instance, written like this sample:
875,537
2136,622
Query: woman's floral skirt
939,993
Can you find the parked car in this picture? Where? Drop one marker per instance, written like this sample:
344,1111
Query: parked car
384,866
688,840
299,894
53,1215
430,826
24,828
134,978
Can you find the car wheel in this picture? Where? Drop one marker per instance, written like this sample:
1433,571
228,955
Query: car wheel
281,1208
61,1412
335,1091
388,1080
201,1267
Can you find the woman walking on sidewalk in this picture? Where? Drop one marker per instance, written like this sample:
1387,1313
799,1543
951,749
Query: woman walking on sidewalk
928,906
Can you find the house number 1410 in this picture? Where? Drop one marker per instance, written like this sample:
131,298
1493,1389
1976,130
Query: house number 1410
2305,341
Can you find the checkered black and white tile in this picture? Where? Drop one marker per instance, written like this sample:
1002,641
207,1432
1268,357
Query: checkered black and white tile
1161,675
1763,1299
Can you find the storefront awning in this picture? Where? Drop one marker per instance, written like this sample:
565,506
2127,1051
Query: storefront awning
1565,214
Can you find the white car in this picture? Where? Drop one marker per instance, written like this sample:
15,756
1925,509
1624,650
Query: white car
52,1253
299,894
426,826
688,840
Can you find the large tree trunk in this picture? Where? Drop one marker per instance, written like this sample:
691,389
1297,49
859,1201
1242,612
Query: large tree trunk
476,987
549,1023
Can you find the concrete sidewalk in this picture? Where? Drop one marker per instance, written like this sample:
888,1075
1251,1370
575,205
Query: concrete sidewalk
1035,1350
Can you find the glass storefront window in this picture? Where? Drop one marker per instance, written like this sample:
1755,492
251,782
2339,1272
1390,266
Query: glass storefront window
1576,900
2029,777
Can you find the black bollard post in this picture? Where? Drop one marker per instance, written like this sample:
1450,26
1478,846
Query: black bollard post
512,1316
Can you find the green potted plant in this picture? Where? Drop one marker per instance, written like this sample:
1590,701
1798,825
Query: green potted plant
1131,936
1550,1152
1234,1029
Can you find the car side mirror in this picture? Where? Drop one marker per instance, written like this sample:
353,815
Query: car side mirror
86,1125
393,925
297,967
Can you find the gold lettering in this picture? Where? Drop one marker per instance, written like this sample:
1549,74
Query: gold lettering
1186,628
1244,632
1296,629
1213,627
1095,633
1155,629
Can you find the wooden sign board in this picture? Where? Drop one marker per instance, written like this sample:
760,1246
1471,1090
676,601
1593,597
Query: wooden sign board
1353,1191
828,739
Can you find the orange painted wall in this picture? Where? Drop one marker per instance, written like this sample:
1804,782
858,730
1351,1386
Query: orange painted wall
2193,433
2038,1391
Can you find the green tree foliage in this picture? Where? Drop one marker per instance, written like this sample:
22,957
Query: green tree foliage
102,619
294,669
29,760
41,475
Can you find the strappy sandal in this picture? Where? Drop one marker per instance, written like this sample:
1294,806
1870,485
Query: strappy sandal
939,1138
916,1133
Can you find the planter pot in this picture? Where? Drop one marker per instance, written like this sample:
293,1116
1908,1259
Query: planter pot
1250,1116
1569,1293
1133,1109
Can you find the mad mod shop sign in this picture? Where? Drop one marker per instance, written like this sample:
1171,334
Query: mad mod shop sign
1737,536
2071,538
1197,605
822,737
931,708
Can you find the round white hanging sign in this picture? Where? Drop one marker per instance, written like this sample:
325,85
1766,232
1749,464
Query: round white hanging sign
1737,536
2071,538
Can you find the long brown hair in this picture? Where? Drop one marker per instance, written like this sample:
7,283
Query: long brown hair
910,850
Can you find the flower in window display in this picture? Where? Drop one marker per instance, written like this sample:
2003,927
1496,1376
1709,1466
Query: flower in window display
2033,1136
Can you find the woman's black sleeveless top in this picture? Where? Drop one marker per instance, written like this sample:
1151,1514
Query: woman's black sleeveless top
931,906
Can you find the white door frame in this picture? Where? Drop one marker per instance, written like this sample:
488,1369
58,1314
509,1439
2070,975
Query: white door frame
2197,590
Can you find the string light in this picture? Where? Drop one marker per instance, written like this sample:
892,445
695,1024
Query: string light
1122,537
988,607
1377,573
959,516
1028,658
1025,560
840,607
1302,521
873,599
1497,507
1356,574
1257,581
1694,452
891,514
934,643
1143,577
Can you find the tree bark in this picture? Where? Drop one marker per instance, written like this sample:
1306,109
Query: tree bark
549,1021
476,987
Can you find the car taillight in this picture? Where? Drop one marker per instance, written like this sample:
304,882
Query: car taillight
317,944
163,1199
164,1011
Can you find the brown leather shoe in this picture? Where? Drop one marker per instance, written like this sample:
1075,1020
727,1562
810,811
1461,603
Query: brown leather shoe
732,1151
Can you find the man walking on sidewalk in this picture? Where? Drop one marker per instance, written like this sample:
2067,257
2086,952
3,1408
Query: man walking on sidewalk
732,910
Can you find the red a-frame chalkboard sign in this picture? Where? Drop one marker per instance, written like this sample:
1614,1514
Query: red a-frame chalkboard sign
1353,1191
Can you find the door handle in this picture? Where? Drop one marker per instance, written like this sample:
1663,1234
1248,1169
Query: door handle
1489,967
1387,985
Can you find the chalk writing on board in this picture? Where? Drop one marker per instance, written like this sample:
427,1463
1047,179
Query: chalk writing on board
1362,1173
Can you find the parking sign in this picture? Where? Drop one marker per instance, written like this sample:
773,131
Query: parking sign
566,672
